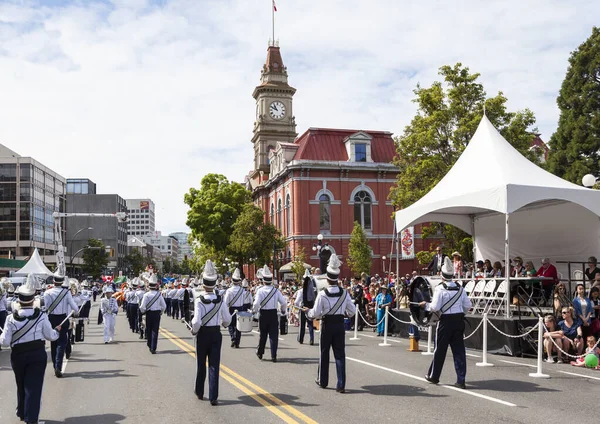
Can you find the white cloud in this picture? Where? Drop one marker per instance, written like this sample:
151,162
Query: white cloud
145,97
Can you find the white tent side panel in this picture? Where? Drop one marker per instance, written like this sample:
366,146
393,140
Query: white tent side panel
561,232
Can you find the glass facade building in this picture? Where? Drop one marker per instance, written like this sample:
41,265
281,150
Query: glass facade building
29,194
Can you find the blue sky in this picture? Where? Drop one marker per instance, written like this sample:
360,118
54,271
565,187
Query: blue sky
145,97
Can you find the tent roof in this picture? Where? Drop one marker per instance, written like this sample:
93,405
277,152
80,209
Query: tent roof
491,176
35,265
288,267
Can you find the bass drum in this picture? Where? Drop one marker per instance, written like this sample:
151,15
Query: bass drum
421,289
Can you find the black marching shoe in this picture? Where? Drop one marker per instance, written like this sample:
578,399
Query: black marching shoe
319,384
232,344
274,359
460,385
431,380
259,356
340,390
237,346
58,373
214,402
312,342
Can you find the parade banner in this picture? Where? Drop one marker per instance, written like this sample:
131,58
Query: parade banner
407,241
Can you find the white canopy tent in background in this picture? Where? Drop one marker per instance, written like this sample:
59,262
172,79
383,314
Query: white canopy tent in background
34,266
510,206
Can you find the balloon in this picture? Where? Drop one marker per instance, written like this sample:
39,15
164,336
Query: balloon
591,360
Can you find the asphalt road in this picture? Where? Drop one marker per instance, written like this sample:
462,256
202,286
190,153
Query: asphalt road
123,383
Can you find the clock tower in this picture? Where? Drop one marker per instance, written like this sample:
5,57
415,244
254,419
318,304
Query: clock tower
274,112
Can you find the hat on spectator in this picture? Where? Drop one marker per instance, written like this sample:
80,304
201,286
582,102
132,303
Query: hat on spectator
447,269
518,259
455,253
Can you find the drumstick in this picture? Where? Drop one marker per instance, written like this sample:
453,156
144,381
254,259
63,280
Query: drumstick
187,324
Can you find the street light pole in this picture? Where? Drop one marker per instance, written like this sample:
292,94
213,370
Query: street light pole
71,246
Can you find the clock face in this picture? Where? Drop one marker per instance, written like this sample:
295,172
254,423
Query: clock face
277,110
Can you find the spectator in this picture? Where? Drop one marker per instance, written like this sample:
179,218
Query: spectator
591,349
595,299
518,269
583,310
530,269
592,270
549,271
552,332
596,281
571,328
435,266
561,300
480,271
489,269
497,270
458,264
382,300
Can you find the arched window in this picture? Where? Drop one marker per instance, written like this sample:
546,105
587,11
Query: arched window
324,212
273,213
279,212
288,215
362,209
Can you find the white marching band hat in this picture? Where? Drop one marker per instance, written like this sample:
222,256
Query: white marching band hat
267,275
333,268
447,269
236,277
209,275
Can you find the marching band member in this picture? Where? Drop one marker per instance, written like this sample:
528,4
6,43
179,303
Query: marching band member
58,301
247,295
305,296
153,305
452,301
234,299
267,299
109,308
175,300
3,305
134,307
139,295
169,299
25,331
210,313
332,305
74,288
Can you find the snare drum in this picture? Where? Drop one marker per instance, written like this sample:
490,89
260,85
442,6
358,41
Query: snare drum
244,322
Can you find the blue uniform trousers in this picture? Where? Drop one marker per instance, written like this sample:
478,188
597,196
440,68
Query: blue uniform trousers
450,331
175,307
2,321
268,324
57,347
235,335
208,346
311,329
133,317
333,337
168,302
152,325
29,368
126,308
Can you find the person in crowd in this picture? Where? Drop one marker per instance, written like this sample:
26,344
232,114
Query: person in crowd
518,270
552,333
591,349
530,270
497,270
370,295
595,299
592,270
358,296
435,266
489,269
571,328
549,271
458,264
480,269
583,310
382,300
25,331
561,300
596,281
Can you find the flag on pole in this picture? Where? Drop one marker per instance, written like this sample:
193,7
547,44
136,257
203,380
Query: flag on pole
274,6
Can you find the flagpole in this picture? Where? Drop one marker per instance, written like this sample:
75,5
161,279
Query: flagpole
273,19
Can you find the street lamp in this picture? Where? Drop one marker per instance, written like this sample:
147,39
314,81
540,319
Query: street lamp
589,180
323,252
81,250
383,258
71,245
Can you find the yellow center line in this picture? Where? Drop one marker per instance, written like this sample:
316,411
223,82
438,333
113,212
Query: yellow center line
229,375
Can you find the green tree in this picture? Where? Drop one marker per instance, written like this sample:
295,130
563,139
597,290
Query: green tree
135,261
253,238
185,267
95,258
575,146
448,114
214,209
298,264
168,265
359,251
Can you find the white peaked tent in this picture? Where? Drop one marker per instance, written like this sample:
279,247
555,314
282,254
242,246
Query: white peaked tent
34,266
510,205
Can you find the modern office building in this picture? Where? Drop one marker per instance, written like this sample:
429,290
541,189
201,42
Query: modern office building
185,250
80,186
109,230
168,245
141,217
29,194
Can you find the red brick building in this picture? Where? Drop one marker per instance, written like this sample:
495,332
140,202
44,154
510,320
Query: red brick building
322,181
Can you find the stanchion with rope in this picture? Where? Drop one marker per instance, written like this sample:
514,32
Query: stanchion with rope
429,342
538,373
385,328
355,326
484,362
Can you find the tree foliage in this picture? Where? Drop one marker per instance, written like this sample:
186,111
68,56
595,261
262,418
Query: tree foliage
253,240
575,146
359,252
298,264
135,262
214,208
96,259
447,117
